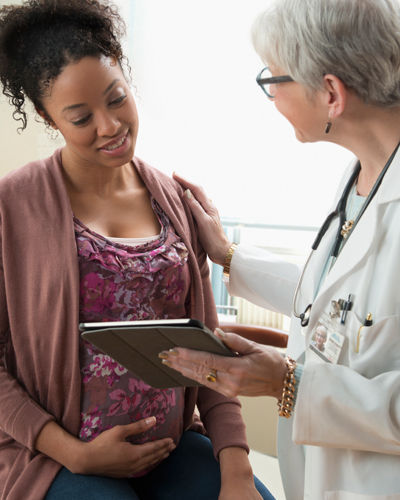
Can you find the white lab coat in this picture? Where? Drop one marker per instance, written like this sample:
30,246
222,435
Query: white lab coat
347,414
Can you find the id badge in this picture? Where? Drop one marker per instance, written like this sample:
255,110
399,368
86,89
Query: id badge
326,340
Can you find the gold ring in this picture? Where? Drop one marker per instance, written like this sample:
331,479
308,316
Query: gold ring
212,376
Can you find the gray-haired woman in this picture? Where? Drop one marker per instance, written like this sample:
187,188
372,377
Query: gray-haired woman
334,73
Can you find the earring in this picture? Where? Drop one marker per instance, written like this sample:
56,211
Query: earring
328,127
51,133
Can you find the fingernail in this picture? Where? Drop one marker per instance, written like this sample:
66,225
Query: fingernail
163,355
172,352
188,194
219,333
166,362
150,420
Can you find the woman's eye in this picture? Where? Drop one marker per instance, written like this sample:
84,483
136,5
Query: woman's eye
118,100
82,121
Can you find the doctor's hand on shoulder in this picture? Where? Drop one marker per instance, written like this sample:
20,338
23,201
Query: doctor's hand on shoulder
209,228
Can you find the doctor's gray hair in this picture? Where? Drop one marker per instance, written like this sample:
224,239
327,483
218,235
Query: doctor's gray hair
356,40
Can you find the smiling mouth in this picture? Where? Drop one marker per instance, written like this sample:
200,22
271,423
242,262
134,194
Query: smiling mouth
116,145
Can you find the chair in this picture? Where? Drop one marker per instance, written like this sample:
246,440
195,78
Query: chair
261,432
260,334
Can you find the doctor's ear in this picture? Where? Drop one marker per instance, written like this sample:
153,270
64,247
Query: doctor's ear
335,94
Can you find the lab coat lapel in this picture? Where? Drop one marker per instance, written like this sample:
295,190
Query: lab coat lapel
314,268
362,240
355,249
317,259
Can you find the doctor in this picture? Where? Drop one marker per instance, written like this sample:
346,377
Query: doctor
334,73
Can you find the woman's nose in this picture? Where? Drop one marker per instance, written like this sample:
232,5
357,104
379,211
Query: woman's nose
107,124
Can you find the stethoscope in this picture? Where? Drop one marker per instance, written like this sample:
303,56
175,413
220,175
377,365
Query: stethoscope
341,238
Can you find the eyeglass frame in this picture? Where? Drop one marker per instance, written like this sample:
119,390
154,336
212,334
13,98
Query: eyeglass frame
270,81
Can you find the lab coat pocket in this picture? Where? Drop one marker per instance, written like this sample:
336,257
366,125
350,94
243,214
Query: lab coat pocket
370,345
346,495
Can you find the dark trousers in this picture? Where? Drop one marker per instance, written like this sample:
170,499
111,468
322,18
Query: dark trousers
189,473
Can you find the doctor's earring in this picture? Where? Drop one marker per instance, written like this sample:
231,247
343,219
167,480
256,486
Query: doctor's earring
328,127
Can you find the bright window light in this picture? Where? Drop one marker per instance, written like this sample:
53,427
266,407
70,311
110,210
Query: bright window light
203,115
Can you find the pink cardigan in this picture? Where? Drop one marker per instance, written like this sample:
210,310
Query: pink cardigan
39,339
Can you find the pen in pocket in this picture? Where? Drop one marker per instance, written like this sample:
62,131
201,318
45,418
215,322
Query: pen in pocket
347,305
367,322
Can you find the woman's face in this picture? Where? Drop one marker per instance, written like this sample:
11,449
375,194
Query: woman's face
320,337
304,112
91,104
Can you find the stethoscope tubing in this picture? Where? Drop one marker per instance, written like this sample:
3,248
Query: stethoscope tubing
340,211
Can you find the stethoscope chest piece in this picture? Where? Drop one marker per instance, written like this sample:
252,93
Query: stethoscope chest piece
305,316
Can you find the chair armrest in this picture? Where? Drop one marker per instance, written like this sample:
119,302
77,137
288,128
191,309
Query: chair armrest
260,334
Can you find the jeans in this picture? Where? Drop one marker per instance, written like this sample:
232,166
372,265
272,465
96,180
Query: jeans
190,472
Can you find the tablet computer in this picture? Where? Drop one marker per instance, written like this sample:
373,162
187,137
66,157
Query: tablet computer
136,344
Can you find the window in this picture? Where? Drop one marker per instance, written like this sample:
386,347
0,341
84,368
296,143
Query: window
203,115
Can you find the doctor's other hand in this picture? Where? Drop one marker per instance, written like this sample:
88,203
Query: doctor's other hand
257,370
210,231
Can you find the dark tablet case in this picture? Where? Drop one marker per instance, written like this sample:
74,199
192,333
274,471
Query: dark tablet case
137,347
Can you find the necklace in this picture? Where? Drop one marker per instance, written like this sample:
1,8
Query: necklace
349,222
354,205
346,228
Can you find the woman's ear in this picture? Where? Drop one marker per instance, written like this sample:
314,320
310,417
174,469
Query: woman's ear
336,95
42,113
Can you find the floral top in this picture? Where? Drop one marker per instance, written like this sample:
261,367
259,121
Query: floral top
118,283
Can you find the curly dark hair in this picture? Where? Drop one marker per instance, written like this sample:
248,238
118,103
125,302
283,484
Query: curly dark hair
40,37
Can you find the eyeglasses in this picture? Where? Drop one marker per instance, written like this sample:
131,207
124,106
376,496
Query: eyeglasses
267,82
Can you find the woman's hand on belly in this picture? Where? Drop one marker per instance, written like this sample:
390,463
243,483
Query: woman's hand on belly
109,454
